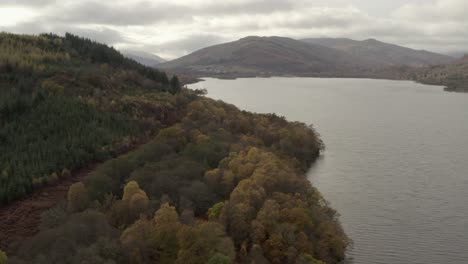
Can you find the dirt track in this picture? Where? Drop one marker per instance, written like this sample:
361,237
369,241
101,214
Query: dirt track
21,218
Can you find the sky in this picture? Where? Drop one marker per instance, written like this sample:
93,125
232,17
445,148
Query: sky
173,28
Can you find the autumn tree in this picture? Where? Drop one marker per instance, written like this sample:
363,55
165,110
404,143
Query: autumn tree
166,226
136,199
138,242
173,136
203,243
134,203
78,197
219,258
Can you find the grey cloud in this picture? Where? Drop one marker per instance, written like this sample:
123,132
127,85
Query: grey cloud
145,12
141,13
323,21
102,34
185,45
32,3
439,11
251,7
25,28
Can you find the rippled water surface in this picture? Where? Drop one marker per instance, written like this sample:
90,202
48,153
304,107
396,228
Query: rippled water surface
396,159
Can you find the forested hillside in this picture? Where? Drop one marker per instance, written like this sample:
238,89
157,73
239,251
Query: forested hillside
454,75
211,183
61,106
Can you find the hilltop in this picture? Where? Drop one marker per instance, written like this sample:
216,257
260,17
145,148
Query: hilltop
264,56
382,54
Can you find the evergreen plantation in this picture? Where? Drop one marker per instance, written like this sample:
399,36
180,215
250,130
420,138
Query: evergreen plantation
60,107
208,183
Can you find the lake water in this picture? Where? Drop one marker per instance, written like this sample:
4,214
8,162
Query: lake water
396,159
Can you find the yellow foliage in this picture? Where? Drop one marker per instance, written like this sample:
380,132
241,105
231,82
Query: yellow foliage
52,87
78,197
130,189
139,202
166,215
202,138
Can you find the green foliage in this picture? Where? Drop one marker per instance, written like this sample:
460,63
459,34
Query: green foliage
173,136
219,259
3,257
58,107
175,85
215,211
57,133
179,178
207,152
308,259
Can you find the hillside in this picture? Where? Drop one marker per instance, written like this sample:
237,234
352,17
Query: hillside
453,76
61,106
268,56
382,54
464,59
265,56
152,172
143,58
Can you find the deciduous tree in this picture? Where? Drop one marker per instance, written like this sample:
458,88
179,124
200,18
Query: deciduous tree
78,198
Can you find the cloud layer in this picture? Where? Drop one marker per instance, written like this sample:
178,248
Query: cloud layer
175,28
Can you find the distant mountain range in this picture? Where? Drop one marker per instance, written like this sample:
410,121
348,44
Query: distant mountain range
268,56
144,58
380,53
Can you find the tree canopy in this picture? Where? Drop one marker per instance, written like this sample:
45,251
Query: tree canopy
210,183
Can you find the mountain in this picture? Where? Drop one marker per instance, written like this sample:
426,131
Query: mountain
144,58
267,56
382,54
264,56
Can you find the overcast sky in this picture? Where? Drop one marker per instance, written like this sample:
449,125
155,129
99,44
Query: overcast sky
172,28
